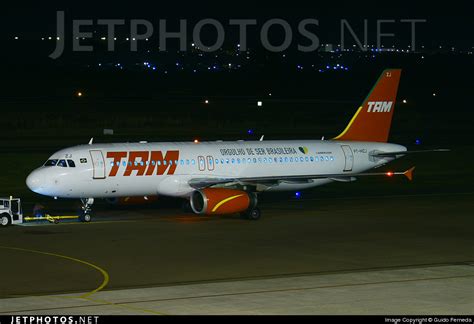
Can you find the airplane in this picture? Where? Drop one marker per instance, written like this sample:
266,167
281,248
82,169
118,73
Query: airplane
224,177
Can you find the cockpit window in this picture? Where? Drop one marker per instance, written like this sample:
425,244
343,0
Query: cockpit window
51,163
71,163
62,163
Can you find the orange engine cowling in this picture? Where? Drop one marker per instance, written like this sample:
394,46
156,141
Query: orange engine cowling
129,201
219,201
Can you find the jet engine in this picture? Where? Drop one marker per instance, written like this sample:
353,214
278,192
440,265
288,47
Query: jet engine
219,201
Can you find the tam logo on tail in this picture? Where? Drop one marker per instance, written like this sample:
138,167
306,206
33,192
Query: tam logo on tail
379,106
372,121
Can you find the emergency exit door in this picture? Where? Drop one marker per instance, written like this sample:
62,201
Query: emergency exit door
348,157
98,164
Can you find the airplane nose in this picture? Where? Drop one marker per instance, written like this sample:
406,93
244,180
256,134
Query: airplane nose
33,181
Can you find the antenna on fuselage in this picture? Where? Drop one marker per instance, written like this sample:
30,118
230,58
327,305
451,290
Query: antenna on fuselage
322,138
92,140
261,138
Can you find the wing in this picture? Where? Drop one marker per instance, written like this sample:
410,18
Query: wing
200,183
384,154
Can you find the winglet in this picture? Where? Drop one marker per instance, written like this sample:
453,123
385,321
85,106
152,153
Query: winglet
409,173
91,141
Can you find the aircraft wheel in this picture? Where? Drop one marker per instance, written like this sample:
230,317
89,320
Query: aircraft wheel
86,218
254,214
5,220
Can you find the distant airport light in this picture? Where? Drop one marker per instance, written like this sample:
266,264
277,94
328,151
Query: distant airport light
270,94
196,141
417,141
434,94
79,94
297,194
206,102
250,132
404,101
259,103
16,37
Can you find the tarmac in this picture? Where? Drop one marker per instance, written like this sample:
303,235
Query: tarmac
397,254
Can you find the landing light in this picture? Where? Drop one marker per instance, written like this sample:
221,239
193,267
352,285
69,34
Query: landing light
389,173
196,141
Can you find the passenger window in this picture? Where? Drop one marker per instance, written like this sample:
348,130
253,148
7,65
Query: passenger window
71,163
62,163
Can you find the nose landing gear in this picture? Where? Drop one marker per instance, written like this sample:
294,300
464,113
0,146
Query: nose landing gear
86,210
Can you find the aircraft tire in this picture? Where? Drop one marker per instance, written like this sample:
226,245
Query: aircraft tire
86,218
254,214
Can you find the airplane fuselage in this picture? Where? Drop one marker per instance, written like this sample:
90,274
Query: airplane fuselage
148,169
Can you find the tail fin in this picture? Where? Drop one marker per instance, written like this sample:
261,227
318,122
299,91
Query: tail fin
371,122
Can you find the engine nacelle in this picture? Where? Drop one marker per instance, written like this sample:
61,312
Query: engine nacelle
219,201
131,201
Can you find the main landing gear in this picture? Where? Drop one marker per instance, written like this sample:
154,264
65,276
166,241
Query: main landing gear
86,210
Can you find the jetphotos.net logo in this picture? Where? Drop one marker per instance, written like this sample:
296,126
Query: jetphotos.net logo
301,35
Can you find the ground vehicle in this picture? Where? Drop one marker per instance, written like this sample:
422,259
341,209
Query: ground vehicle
10,211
